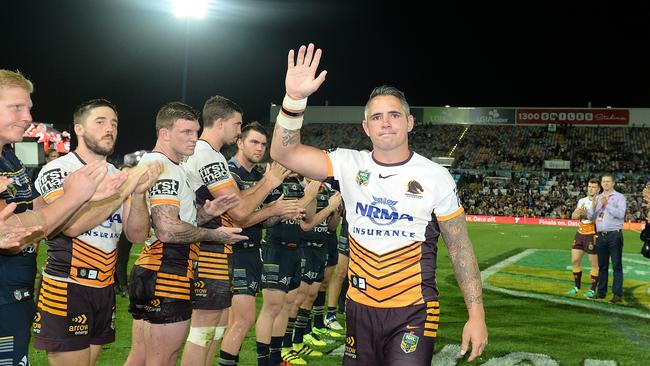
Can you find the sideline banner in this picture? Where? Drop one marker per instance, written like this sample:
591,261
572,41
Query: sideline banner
539,221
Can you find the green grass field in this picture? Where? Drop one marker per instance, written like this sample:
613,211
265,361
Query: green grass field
528,315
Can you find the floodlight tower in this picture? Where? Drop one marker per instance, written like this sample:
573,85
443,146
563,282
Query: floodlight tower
188,10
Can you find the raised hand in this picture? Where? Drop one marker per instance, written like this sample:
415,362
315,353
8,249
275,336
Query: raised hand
221,204
301,80
276,173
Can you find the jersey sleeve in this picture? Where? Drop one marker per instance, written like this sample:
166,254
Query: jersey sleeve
448,205
337,159
166,190
213,171
49,182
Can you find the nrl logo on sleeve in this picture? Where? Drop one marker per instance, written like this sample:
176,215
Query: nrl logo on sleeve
168,187
363,177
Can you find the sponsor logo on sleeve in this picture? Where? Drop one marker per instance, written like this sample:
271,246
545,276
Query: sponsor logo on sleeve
214,172
165,187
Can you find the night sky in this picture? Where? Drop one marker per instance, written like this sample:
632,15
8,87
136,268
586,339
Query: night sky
562,54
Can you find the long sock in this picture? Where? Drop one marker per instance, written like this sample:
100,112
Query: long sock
274,354
577,278
301,324
263,354
331,312
288,334
226,359
319,310
594,282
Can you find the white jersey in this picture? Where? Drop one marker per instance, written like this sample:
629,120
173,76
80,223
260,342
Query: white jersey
90,258
208,167
392,212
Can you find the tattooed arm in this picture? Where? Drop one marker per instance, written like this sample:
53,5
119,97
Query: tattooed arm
169,228
454,232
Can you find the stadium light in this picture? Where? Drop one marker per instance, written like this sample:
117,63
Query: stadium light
188,9
196,9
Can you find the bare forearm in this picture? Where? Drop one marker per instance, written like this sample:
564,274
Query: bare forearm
139,222
170,229
251,201
466,269
287,150
202,217
272,221
58,213
90,215
256,218
319,217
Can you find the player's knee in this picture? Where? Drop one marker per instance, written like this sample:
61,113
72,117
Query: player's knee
202,336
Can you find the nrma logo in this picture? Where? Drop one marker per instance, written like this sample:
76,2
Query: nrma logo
381,211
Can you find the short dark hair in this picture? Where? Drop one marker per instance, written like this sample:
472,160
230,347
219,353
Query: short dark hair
594,180
608,175
218,107
387,90
81,111
173,111
253,126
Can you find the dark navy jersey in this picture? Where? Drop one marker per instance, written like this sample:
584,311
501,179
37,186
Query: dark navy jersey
287,231
319,233
17,271
246,180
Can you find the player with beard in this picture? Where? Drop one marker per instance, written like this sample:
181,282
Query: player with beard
247,256
26,209
209,176
76,304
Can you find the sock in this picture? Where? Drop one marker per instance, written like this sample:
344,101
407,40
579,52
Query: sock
262,354
319,310
226,359
594,282
301,324
577,278
274,354
331,312
288,334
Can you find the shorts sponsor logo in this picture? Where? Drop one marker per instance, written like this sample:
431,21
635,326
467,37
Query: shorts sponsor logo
350,349
363,177
214,173
36,325
165,187
78,324
153,305
409,342
285,281
199,289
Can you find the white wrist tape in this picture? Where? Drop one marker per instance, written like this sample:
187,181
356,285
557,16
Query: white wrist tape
294,105
291,113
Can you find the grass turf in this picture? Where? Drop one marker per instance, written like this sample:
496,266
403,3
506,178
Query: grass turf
568,334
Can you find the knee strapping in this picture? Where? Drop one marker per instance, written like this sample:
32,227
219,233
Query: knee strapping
218,333
201,336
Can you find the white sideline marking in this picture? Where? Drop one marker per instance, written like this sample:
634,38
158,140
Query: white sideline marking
559,300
